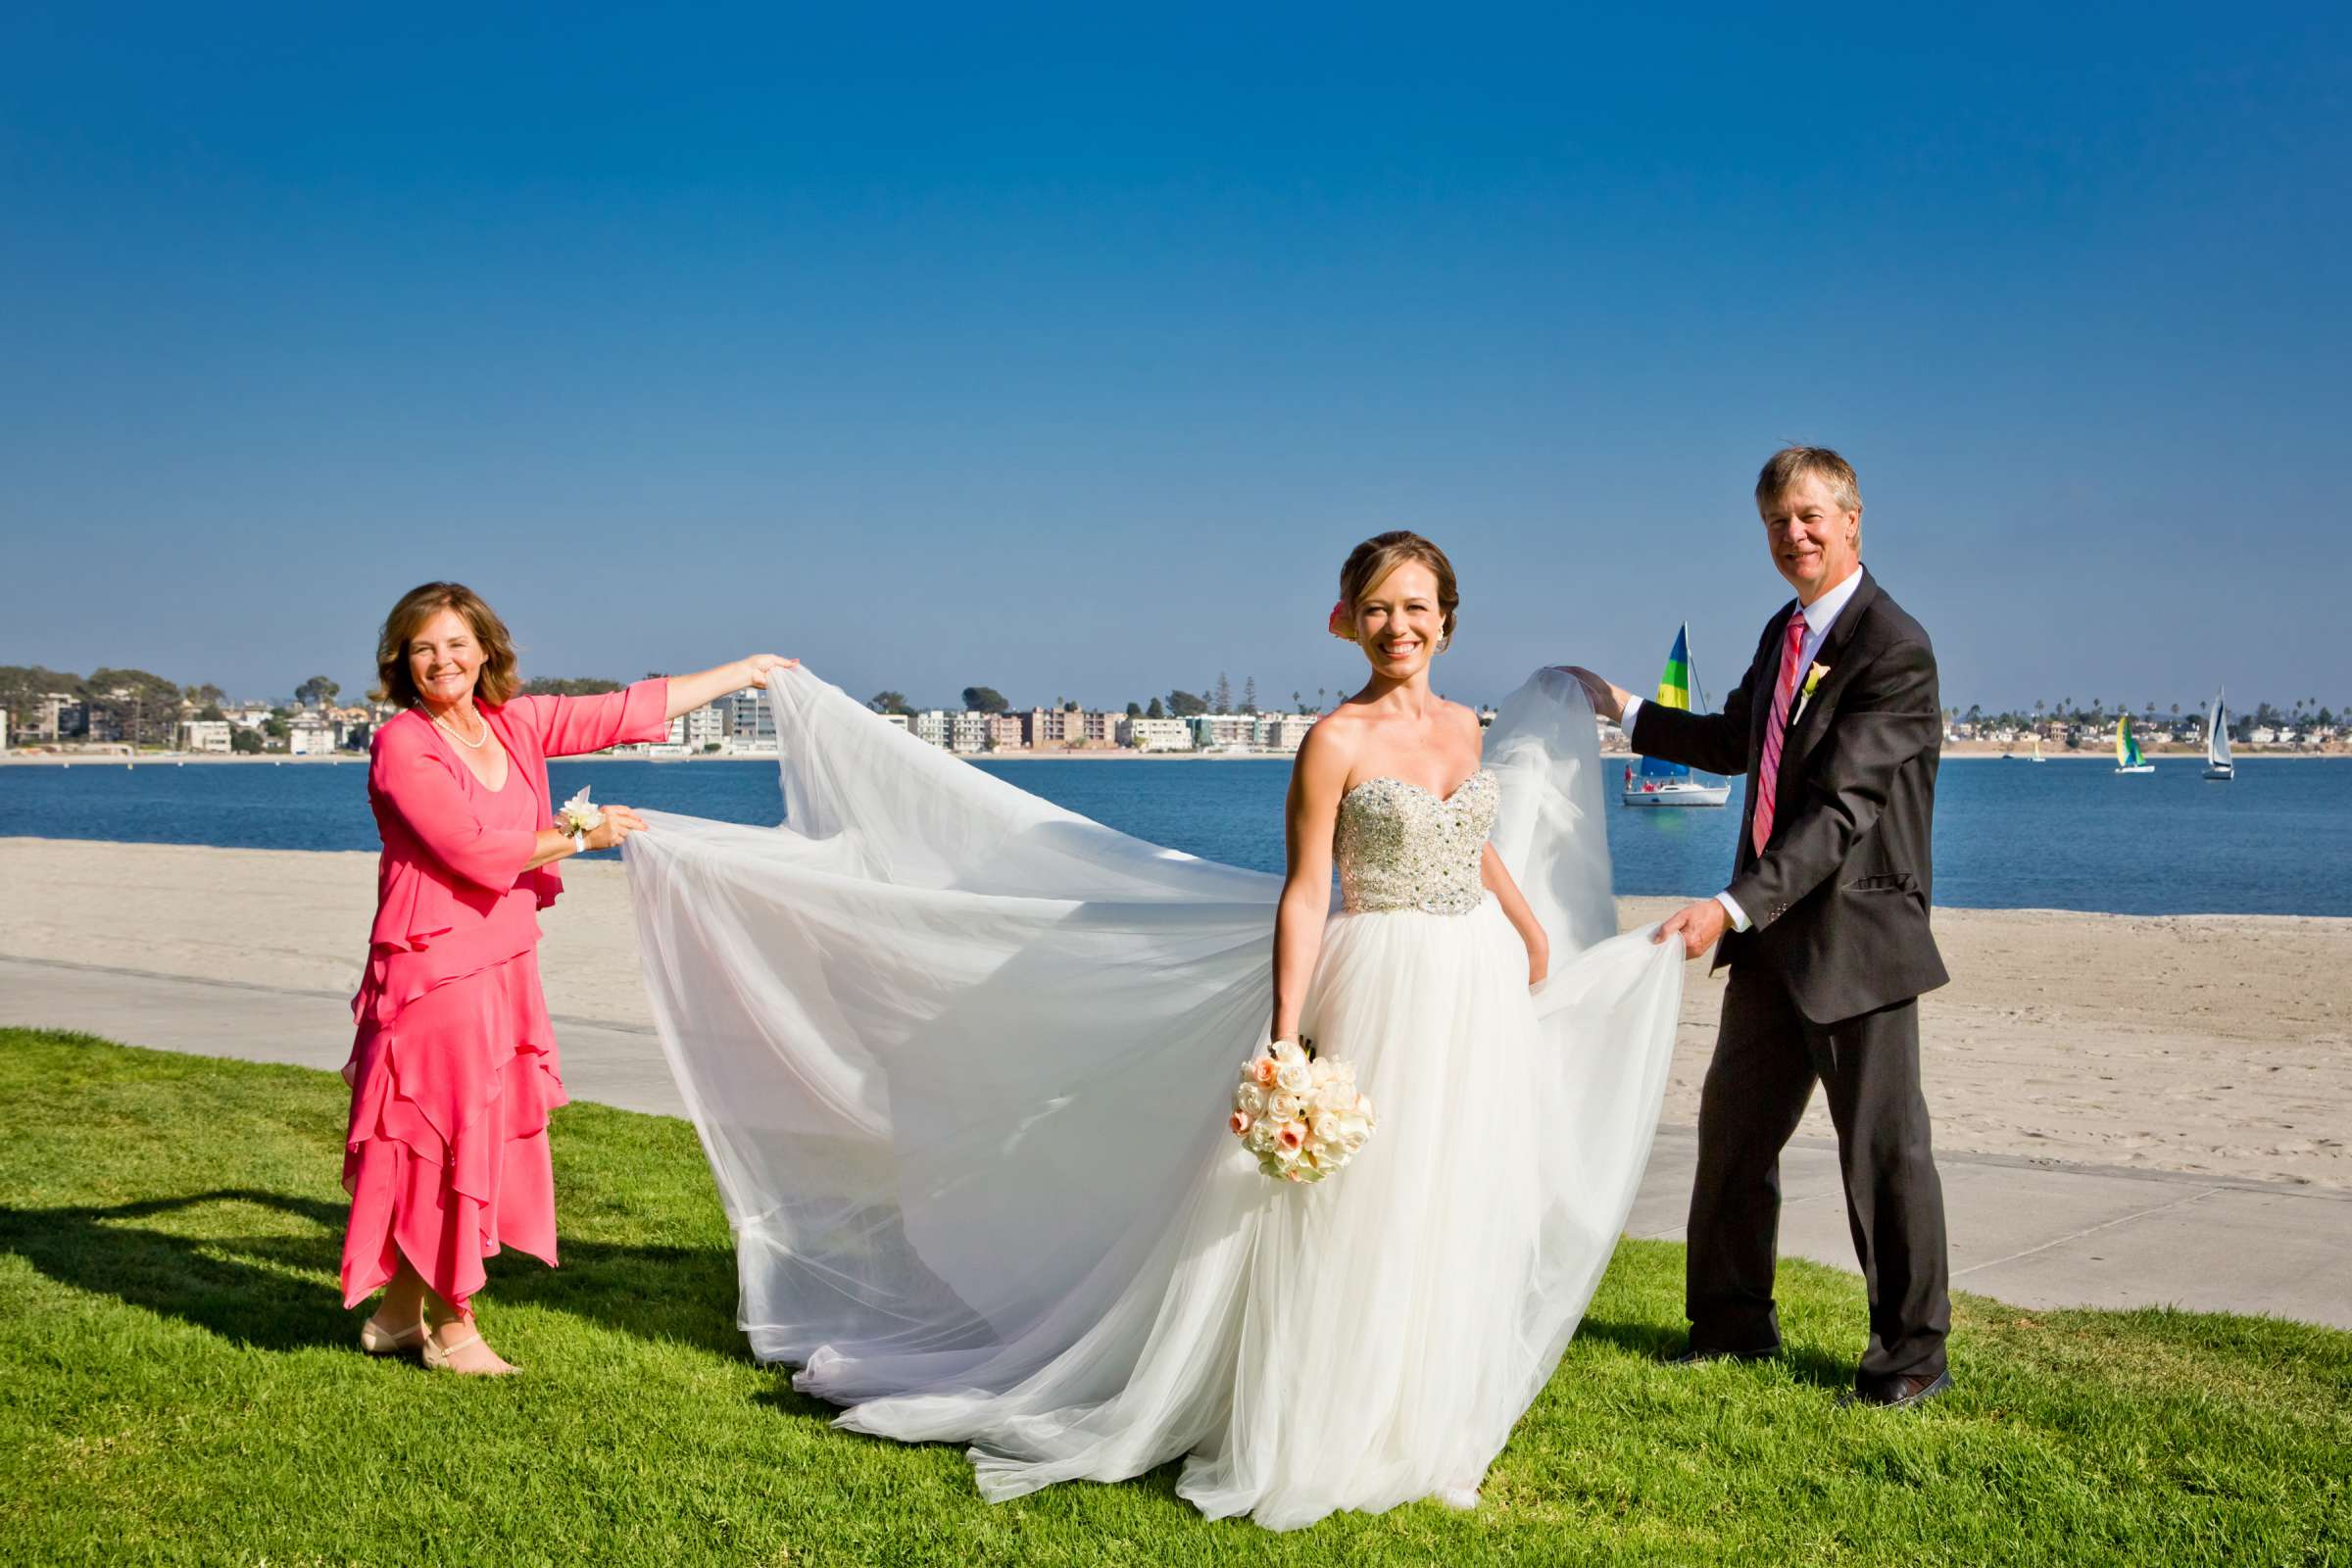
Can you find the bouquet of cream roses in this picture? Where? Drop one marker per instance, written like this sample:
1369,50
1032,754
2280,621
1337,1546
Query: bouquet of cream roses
1300,1113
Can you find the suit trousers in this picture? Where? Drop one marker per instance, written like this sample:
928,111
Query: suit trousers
1767,1055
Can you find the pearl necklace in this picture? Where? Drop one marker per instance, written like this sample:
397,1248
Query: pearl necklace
474,746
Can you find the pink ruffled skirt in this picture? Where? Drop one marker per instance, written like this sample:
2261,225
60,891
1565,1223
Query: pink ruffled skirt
446,1159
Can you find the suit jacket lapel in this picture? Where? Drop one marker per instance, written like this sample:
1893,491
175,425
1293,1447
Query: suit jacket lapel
1805,729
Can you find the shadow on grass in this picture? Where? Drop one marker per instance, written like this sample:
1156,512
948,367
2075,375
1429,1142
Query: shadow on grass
1157,1483
251,1287
1657,1342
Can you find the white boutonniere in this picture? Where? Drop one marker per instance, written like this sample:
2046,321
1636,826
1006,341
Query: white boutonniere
1813,679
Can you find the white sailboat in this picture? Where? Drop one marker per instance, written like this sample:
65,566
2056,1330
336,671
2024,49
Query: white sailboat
1661,783
2216,740
2038,757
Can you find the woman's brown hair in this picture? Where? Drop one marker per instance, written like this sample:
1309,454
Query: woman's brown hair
497,681
1373,560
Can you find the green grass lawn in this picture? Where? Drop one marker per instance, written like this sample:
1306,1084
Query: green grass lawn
179,1383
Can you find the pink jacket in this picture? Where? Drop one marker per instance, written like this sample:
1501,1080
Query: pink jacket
443,871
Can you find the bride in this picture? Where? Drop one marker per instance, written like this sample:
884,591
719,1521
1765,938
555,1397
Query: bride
962,1062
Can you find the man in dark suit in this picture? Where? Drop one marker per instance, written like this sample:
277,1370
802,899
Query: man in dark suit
1838,727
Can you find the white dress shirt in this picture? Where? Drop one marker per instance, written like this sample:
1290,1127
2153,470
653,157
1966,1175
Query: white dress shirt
1820,615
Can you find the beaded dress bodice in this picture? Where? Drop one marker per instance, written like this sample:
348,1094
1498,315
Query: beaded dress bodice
1399,847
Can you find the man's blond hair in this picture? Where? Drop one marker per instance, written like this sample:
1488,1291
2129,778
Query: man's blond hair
1784,468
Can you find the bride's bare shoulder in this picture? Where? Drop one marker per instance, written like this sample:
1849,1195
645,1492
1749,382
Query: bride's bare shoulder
1346,719
1464,721
1331,745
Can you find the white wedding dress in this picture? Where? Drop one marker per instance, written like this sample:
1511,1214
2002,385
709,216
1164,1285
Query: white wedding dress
962,1062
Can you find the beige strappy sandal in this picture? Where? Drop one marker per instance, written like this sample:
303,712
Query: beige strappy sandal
438,1359
377,1340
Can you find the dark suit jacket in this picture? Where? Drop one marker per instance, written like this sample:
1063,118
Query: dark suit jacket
1838,900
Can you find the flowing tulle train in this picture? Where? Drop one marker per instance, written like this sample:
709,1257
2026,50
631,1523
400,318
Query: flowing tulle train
960,1059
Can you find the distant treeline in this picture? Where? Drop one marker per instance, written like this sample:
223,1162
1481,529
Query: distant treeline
2100,714
143,703
1178,703
146,706
567,686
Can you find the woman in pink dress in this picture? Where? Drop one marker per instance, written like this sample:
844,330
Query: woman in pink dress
454,1070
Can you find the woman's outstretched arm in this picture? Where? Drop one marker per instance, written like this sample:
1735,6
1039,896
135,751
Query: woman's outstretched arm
1317,779
690,692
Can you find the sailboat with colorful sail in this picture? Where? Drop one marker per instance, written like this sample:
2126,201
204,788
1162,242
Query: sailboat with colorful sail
1661,783
2126,748
2217,765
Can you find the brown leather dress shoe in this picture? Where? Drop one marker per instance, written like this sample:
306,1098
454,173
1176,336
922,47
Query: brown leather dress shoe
1901,1392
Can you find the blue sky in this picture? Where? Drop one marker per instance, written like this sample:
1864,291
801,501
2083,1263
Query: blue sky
1068,350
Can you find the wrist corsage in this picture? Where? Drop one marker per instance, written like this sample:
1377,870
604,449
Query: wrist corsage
580,816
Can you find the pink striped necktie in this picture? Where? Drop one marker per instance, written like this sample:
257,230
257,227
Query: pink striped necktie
1776,730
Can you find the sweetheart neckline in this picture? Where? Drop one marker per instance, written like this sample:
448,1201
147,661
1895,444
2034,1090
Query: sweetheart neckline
1447,798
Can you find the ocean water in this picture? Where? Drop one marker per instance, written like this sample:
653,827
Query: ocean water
2067,835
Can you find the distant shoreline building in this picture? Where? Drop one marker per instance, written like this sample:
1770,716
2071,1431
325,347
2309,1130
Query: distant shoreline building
1155,734
59,717
1217,731
310,735
699,729
1281,732
204,735
750,723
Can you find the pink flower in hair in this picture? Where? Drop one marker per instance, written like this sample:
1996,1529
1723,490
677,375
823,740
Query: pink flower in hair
1341,624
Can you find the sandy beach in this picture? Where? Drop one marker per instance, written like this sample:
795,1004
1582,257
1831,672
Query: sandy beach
2212,1043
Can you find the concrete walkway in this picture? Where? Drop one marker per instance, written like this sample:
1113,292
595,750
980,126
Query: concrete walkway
2030,1233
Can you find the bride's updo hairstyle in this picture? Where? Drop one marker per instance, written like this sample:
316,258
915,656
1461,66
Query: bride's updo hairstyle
1373,560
